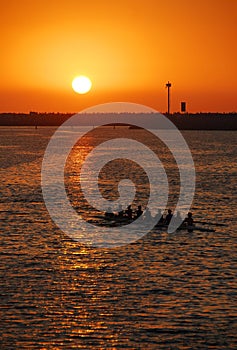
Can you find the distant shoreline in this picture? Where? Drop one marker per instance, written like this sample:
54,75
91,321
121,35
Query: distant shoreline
187,121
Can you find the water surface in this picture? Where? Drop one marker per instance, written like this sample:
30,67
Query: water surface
165,291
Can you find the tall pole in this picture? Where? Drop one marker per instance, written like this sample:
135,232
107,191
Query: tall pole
168,85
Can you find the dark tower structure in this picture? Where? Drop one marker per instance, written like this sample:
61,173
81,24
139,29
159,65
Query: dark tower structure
183,107
168,85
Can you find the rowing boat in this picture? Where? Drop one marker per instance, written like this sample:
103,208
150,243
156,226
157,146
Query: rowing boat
115,220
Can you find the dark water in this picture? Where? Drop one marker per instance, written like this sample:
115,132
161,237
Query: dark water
165,291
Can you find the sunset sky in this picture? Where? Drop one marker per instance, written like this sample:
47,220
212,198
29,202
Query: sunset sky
128,48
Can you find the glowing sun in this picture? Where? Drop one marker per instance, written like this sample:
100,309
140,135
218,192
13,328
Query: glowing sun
81,84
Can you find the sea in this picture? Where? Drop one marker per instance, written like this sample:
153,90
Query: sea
163,291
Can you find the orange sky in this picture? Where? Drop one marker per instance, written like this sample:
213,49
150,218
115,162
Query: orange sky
129,49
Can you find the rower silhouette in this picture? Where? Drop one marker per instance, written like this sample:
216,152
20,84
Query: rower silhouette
190,222
120,211
128,212
139,211
109,213
168,217
159,218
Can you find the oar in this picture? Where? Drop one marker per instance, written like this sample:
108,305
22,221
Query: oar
209,223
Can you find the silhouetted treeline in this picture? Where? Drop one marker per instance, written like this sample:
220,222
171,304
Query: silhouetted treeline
187,121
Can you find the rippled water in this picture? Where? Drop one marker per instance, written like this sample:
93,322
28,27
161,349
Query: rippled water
165,291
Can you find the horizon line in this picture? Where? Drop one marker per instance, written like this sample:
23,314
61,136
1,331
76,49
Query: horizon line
115,112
